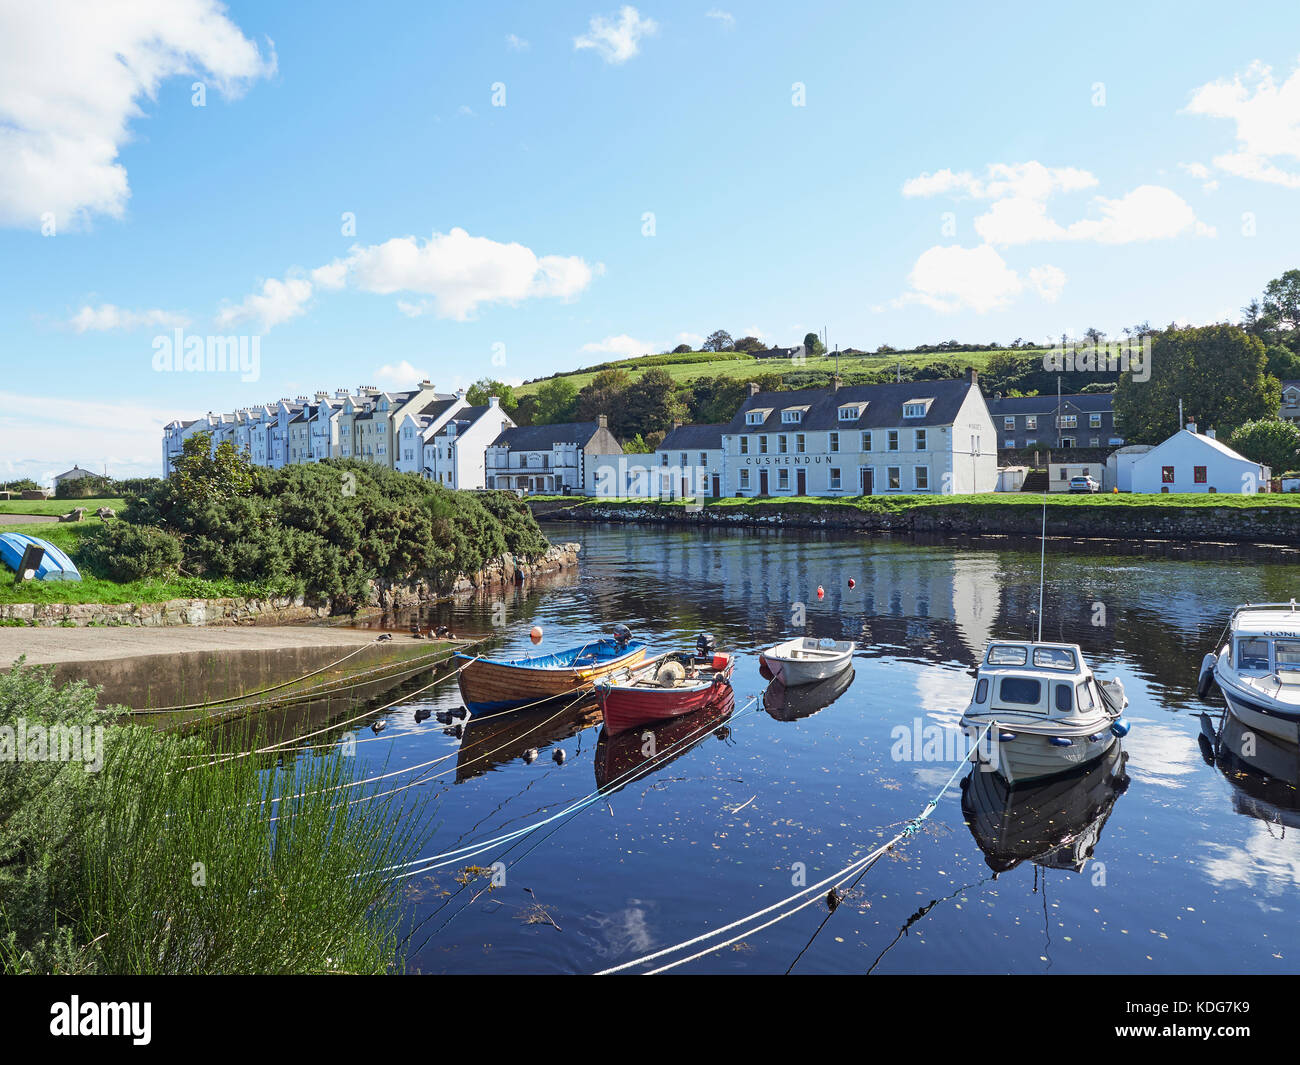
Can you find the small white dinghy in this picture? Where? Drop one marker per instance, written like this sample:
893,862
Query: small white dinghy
1039,710
806,660
1258,668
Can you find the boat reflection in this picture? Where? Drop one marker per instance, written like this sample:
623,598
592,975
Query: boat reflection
790,704
493,740
627,757
1263,770
1054,823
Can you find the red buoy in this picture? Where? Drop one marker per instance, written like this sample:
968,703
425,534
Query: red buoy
821,592
852,583
536,634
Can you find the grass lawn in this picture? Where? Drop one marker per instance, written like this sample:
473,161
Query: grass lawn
747,368
91,589
56,506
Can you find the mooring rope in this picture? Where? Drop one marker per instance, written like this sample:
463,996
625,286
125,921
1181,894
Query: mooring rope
814,891
459,854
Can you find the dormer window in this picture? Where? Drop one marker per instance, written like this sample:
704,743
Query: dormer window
792,417
757,416
850,413
915,408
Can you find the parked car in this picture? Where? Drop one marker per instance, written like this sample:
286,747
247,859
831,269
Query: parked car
1083,484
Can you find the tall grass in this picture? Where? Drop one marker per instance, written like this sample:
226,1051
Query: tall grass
237,866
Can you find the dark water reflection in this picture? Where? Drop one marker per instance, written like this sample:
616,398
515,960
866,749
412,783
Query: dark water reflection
1148,866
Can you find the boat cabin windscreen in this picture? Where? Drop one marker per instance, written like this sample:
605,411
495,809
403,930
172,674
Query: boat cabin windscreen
1004,655
1252,653
1287,654
1054,658
1020,691
1064,698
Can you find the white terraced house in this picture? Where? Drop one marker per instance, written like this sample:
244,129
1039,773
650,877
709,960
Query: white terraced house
455,453
549,458
911,437
363,425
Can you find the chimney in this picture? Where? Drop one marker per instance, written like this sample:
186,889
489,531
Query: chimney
1191,427
602,421
1210,434
493,401
753,388
835,382
460,393
997,395
972,375
677,423
425,385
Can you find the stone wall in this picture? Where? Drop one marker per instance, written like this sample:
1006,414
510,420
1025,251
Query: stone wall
274,611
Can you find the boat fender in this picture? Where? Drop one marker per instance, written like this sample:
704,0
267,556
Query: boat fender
719,663
1006,737
1094,737
1206,680
1120,728
1060,741
559,756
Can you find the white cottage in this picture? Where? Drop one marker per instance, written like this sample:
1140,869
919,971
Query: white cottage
1196,462
910,437
456,454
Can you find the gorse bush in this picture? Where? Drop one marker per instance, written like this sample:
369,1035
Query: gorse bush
124,552
165,862
328,527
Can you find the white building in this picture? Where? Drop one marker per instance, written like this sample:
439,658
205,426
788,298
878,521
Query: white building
911,437
548,458
1290,408
1196,462
456,454
689,462
1119,466
416,428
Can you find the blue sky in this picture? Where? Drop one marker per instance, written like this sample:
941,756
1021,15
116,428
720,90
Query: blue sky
893,174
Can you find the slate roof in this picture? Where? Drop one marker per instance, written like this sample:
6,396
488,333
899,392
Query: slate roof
882,407
545,437
464,418
693,438
1080,402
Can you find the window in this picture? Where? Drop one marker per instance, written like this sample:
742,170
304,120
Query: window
1024,691
1286,653
754,417
920,440
1252,654
1031,422
744,445
801,443
835,484
683,462
922,477
663,459
1084,692
1054,658
1198,474
1093,441
1067,421
834,442
783,478
704,458
866,441
762,445
1007,656
744,478
782,444
792,417
1166,474
895,477
982,690
1008,443
1094,421
850,414
892,440
1065,698
1009,424
914,410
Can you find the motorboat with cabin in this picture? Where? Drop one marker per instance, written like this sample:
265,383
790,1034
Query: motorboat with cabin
1038,710
1258,668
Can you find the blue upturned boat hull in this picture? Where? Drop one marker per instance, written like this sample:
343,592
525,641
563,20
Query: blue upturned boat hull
55,566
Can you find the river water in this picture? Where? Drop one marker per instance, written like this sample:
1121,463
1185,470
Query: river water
1163,858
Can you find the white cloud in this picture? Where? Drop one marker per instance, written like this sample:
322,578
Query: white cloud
276,303
726,18
620,345
1018,195
1266,114
617,42
73,76
460,272
106,317
693,339
1201,173
516,44
400,375
952,278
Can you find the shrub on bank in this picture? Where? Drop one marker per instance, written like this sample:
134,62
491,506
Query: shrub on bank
124,552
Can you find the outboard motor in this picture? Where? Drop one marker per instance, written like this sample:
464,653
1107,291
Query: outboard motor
622,634
705,645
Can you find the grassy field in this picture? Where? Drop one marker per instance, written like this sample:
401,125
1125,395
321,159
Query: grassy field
747,368
56,506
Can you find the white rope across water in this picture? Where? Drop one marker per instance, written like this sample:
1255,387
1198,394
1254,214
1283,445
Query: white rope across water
813,891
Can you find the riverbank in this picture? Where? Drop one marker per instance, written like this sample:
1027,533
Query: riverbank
1267,519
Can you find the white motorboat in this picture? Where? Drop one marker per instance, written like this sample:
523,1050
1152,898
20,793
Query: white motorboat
1258,668
1039,710
806,660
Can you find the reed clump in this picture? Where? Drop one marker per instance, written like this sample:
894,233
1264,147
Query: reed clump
162,860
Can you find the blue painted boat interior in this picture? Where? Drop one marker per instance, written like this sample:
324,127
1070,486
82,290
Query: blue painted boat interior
589,654
55,566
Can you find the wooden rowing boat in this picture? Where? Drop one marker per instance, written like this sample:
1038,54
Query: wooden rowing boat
504,684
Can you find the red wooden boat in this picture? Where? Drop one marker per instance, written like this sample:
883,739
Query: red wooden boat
665,687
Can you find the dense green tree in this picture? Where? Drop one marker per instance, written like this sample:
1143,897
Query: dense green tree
1270,441
604,395
649,405
1217,371
813,346
718,340
478,393
557,400
1280,311
682,349
749,344
711,400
